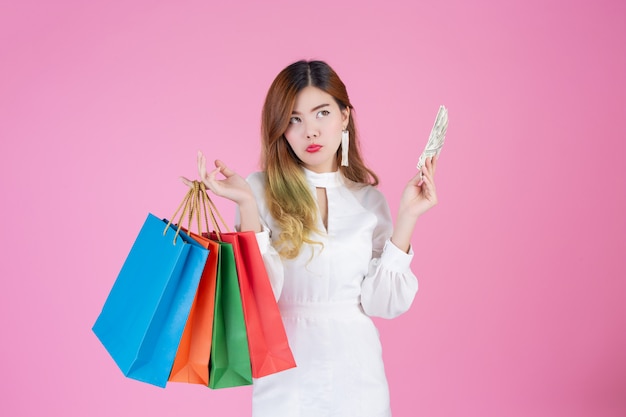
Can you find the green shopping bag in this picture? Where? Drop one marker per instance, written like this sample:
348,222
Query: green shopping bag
229,364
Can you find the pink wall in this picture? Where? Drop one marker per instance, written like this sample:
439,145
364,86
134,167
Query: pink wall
522,303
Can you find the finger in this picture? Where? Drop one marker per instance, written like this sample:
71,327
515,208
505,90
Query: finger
430,165
425,171
187,182
212,176
425,189
426,166
211,182
416,178
201,165
434,163
420,179
430,192
426,174
225,170
429,189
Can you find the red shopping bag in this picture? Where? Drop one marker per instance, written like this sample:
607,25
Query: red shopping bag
267,340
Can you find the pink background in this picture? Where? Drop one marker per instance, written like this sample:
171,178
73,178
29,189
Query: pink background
521,309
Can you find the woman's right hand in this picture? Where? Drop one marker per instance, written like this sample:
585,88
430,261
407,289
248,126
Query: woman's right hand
233,186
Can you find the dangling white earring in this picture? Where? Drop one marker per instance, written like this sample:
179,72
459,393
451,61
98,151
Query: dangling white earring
345,144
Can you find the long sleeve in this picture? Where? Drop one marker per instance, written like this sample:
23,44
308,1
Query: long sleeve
390,286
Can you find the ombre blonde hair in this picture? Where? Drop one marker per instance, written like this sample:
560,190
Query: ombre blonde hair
289,199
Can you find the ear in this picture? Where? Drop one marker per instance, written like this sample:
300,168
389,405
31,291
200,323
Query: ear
345,116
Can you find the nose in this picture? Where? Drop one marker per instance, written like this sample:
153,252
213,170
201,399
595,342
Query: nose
312,134
311,131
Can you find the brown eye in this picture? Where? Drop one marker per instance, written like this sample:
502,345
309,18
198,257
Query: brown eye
322,113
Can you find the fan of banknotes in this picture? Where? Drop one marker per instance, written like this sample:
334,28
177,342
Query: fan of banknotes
436,139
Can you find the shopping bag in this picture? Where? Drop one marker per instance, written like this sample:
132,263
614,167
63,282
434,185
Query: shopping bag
229,365
191,364
144,315
267,339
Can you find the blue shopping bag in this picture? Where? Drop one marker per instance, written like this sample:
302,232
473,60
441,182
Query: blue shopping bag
144,316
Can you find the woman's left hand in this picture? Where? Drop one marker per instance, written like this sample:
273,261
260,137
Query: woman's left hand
420,194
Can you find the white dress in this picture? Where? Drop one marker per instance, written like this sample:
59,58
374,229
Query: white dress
326,300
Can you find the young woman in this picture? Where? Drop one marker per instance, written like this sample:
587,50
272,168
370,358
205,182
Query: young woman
333,255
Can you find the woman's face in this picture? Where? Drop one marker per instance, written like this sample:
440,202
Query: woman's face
314,131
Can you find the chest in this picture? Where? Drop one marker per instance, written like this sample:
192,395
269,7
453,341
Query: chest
346,230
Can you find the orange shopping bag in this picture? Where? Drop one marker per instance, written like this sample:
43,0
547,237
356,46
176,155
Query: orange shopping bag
191,364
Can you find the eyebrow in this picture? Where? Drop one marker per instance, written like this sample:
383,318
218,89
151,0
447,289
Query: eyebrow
313,109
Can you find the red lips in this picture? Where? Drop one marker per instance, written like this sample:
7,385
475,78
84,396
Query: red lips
313,148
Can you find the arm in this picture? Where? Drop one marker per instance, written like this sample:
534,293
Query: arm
390,286
418,197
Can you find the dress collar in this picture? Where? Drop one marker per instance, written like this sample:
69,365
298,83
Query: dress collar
324,179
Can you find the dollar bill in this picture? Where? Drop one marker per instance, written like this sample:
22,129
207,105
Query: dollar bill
436,138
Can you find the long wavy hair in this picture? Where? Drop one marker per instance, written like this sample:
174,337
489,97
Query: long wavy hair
288,197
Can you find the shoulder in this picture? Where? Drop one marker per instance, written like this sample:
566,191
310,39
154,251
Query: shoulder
373,201
257,180
368,195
